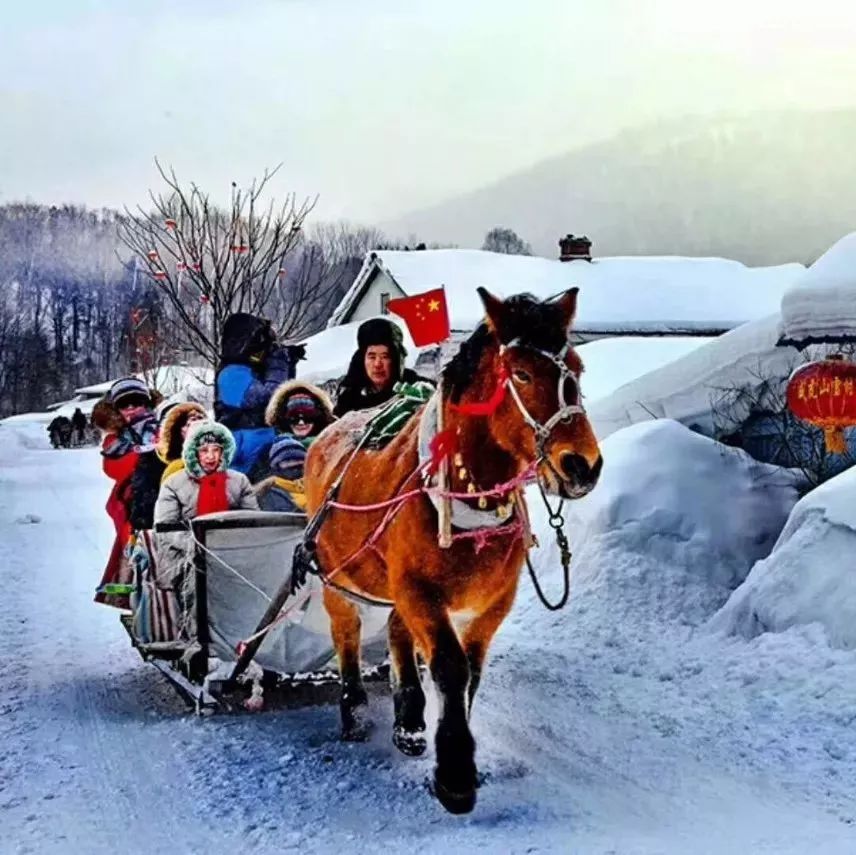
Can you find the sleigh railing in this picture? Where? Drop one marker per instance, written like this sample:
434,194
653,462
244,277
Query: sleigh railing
237,586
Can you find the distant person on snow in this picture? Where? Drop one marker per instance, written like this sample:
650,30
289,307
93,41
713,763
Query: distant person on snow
375,368
78,422
252,365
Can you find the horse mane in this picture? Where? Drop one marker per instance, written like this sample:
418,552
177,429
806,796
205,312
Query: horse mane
524,318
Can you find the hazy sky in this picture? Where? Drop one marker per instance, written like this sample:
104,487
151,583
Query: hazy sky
380,106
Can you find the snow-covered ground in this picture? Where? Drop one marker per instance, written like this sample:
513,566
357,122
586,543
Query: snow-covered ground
629,722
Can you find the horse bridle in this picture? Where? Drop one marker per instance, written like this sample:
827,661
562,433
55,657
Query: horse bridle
566,410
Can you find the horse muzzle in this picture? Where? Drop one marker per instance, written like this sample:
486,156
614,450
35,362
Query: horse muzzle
574,477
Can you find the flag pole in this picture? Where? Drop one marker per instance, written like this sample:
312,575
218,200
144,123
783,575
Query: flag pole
444,511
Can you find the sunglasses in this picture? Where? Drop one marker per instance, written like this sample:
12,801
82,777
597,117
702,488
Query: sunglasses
301,419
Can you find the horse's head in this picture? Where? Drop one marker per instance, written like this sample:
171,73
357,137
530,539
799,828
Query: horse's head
541,417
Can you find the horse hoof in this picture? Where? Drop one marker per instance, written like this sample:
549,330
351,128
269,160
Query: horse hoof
359,731
457,803
409,742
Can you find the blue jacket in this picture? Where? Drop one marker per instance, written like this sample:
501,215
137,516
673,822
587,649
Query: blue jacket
241,395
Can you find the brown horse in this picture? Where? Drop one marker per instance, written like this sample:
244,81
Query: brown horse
449,602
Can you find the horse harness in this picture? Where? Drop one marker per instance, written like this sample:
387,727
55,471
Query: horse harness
464,516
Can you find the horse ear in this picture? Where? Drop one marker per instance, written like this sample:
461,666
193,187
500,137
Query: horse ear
492,307
567,304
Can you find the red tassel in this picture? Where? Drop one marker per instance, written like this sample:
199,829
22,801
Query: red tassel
489,407
443,445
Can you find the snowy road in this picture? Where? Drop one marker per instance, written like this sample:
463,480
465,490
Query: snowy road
628,735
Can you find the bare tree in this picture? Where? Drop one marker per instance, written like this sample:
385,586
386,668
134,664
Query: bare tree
209,263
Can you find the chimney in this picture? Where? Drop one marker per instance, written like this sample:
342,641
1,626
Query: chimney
573,248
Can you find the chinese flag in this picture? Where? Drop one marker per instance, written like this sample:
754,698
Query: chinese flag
426,316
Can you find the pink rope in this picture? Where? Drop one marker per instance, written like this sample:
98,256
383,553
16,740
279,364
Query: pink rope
527,476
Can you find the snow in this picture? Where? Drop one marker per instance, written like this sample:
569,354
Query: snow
633,294
687,388
809,576
612,362
621,724
329,352
821,305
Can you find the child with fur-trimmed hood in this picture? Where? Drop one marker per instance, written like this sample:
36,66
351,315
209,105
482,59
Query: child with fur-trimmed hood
298,412
206,485
175,424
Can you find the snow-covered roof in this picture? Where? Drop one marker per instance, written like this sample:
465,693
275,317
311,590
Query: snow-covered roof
685,390
633,294
329,352
821,305
612,362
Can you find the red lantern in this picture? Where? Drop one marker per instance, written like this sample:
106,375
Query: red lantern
824,394
282,273
180,266
170,223
196,267
239,248
153,255
160,275
204,299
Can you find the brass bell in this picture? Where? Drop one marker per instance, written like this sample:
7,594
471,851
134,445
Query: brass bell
459,459
482,502
471,488
502,511
462,473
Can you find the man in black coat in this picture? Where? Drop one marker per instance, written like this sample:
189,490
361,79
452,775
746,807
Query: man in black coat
78,422
375,368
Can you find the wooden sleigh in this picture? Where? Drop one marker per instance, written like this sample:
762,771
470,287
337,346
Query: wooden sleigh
247,636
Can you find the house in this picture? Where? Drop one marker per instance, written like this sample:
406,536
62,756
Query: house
647,296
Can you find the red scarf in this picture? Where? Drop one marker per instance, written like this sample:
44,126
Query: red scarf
212,494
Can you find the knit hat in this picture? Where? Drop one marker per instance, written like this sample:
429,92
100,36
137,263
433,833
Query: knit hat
126,387
380,331
207,433
302,405
287,455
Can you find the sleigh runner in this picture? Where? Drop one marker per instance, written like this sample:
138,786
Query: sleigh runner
238,633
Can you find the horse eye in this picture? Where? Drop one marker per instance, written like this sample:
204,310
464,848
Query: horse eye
521,376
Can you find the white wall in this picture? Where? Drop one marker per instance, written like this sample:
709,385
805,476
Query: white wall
369,304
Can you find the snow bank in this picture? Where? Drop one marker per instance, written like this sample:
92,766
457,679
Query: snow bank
18,433
612,362
685,390
809,576
821,305
692,514
668,293
329,352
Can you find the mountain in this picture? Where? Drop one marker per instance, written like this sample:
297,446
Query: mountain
763,188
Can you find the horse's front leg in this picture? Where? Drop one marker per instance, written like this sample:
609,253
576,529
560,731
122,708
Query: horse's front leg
345,629
478,636
455,773
408,734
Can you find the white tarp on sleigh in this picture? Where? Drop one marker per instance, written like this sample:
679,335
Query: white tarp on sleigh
247,557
